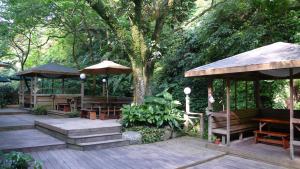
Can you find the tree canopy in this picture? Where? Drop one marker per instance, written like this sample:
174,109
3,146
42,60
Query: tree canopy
158,39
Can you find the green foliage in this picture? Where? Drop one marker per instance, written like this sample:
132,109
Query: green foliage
7,95
74,114
234,27
18,160
40,110
159,111
149,134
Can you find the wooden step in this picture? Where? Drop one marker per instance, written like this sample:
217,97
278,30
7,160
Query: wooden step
267,140
296,143
99,144
272,133
93,138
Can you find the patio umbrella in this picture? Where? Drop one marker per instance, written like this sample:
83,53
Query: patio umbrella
106,67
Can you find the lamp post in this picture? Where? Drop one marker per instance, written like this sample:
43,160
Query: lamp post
187,91
105,88
83,78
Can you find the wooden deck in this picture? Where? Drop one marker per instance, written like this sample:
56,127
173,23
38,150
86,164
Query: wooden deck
264,152
13,111
28,140
177,153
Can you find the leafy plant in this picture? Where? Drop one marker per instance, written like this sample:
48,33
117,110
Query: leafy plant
158,111
149,134
74,114
7,95
40,110
18,160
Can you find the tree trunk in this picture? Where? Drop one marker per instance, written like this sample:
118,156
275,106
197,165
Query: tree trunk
139,84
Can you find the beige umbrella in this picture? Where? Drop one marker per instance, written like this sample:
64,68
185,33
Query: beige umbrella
106,67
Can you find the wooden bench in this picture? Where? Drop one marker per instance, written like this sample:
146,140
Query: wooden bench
240,122
262,136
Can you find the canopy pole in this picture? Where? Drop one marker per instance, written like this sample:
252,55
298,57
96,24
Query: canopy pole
291,106
228,111
246,93
82,93
257,95
35,91
63,86
210,108
235,95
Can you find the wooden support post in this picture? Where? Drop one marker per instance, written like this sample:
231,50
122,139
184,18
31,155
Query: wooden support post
82,93
35,91
31,92
210,108
235,95
246,94
63,86
291,106
52,86
228,111
257,95
22,92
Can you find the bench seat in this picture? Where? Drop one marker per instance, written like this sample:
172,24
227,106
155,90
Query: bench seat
235,129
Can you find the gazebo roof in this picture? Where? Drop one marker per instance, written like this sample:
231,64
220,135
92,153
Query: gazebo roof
50,70
265,62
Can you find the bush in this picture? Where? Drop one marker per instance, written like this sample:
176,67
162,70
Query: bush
8,95
74,114
158,111
149,134
40,110
18,160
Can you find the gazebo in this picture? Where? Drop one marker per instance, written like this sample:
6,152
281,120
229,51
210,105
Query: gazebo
275,61
49,71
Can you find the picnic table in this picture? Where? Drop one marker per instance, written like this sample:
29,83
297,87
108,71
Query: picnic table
268,136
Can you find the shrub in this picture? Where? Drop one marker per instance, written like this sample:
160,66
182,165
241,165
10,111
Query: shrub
149,134
40,110
18,160
158,111
8,95
74,114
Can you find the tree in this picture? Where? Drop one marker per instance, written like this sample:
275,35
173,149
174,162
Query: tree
138,25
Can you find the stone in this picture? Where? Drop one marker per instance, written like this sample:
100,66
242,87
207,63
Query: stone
167,133
134,137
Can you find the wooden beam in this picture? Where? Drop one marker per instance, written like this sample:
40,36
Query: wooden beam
246,94
228,111
63,86
257,95
235,95
291,106
210,108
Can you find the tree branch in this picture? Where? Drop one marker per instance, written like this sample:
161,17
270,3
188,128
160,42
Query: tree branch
213,5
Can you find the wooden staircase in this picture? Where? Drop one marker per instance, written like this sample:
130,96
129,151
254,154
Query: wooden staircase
87,139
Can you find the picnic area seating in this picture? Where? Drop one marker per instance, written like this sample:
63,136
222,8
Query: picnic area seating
269,137
240,122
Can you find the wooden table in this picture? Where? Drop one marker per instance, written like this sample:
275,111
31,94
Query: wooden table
263,136
264,121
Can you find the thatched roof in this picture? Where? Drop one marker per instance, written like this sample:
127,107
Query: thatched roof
50,70
106,67
264,62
